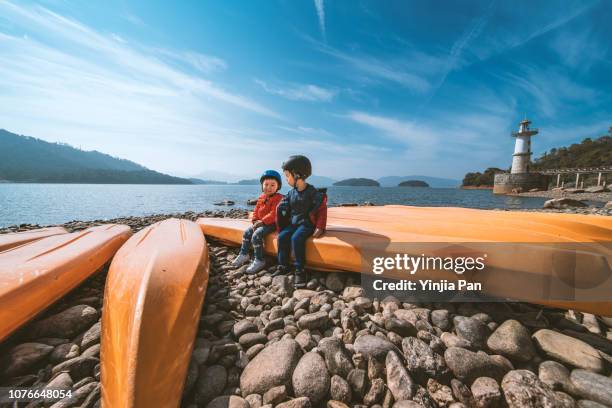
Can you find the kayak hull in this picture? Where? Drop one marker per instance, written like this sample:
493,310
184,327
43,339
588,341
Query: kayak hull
356,231
35,275
14,239
153,298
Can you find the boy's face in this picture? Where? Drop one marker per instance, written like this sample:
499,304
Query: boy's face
289,177
269,186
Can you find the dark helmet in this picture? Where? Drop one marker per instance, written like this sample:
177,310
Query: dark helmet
271,174
299,166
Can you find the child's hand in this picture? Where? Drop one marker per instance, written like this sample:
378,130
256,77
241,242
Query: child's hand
258,224
318,233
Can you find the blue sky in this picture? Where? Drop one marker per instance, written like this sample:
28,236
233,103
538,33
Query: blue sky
365,88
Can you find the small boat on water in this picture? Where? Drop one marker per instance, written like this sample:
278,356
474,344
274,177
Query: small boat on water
152,303
14,239
35,275
524,247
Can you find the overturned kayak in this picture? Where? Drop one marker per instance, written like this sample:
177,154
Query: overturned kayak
523,242
34,275
152,303
14,239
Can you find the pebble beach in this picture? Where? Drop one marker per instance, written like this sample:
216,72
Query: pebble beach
260,343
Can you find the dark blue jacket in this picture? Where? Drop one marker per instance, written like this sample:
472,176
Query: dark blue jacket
301,207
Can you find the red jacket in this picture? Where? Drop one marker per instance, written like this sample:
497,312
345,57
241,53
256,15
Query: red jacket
265,209
320,219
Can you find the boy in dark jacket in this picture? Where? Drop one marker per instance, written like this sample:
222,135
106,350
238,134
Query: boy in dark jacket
300,214
264,222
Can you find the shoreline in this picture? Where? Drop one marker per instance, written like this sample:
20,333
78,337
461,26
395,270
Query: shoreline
332,343
598,197
240,212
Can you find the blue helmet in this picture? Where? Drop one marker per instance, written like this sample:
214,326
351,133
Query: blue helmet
271,174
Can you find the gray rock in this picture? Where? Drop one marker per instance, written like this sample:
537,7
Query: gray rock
254,350
376,392
352,292
523,389
467,365
486,392
440,318
554,374
193,373
300,294
564,400
228,401
93,351
569,350
340,390
271,367
78,396
452,340
473,330
442,394
336,404
422,361
407,404
305,340
24,356
242,327
358,380
462,393
512,340
210,384
563,203
314,321
248,340
302,402
398,380
61,381
592,386
337,358
589,404
401,327
335,281
373,346
254,400
90,337
275,395
64,352
310,378
78,367
68,323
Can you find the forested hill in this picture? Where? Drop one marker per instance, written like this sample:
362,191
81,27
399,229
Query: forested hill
588,153
26,159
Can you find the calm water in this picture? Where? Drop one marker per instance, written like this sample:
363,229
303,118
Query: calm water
58,203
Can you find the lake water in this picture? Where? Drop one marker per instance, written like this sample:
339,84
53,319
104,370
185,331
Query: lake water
46,204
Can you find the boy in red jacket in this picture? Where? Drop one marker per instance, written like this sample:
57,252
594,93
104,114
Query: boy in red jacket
264,222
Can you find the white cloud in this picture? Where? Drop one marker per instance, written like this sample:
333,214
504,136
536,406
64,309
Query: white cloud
320,7
299,92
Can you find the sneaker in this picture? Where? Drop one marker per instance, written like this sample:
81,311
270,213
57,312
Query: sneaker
299,279
280,270
256,266
240,260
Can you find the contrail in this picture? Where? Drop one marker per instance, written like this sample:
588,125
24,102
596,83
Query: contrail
321,13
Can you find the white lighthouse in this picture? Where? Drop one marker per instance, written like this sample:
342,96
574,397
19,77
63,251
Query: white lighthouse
522,148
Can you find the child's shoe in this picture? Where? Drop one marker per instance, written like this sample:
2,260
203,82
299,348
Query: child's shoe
299,278
240,260
281,270
256,266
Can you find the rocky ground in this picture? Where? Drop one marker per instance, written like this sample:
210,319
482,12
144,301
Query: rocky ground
262,344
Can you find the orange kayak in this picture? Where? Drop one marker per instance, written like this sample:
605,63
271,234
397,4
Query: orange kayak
35,275
152,303
14,239
356,233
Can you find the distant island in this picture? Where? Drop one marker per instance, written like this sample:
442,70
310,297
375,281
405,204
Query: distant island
248,182
413,183
358,182
207,182
26,159
588,153
434,182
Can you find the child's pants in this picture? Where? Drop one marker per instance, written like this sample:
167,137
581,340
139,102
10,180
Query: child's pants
293,238
256,238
